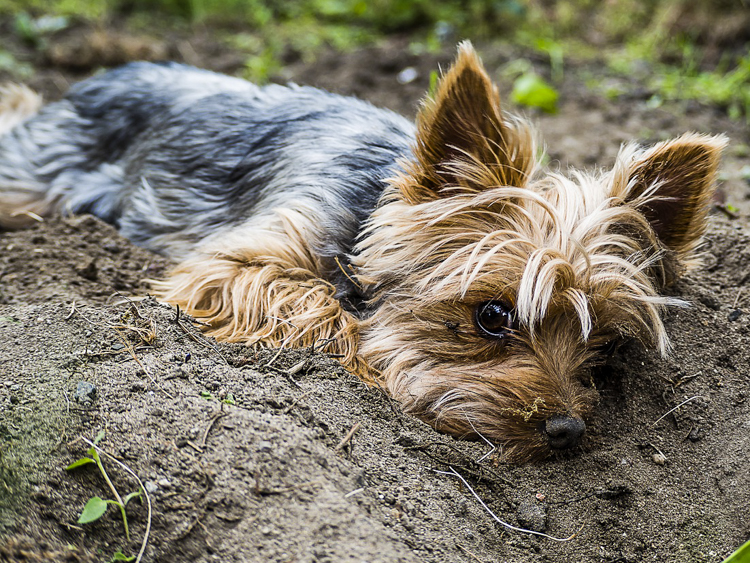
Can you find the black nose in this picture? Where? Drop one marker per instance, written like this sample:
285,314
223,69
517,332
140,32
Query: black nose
564,432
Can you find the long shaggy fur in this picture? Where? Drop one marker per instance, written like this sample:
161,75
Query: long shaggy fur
300,218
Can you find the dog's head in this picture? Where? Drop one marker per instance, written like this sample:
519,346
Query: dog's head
496,286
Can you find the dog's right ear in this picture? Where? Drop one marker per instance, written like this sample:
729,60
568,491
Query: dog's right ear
672,184
464,142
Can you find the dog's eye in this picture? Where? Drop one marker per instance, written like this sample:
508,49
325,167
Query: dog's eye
494,319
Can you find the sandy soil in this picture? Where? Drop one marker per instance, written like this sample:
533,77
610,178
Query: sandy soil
265,456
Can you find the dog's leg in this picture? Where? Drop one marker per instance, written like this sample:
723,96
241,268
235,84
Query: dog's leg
262,286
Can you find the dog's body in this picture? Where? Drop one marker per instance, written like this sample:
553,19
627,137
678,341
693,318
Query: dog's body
437,259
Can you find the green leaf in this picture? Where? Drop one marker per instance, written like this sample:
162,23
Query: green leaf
80,463
532,90
99,437
120,556
742,555
25,28
433,84
131,496
94,509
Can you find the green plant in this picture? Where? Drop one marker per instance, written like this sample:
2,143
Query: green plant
742,555
730,89
532,90
97,506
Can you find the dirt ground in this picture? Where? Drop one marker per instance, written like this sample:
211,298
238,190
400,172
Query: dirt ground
283,456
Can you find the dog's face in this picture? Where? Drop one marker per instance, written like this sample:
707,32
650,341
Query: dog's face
495,287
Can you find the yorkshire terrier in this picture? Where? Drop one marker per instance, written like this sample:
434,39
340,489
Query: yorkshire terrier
437,260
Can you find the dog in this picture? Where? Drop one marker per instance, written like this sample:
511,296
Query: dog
437,259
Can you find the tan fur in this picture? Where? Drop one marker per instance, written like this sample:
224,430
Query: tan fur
582,260
22,209
17,103
18,207
263,286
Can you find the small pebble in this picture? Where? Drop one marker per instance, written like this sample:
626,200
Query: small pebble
734,315
85,393
409,74
659,458
164,483
151,487
532,516
138,386
265,446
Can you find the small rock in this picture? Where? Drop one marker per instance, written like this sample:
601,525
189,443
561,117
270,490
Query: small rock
407,439
265,446
90,271
734,315
532,516
85,393
164,483
709,301
659,458
409,74
695,434
151,487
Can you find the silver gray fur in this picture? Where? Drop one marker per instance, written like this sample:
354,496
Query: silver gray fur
172,154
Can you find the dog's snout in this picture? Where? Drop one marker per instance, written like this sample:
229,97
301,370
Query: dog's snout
563,432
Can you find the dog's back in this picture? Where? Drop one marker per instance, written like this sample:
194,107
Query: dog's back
172,155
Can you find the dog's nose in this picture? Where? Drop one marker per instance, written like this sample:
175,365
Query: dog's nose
563,432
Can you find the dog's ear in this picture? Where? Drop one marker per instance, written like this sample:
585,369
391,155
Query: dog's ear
672,184
463,140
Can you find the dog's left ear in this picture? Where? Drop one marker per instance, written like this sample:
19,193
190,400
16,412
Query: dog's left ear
464,142
672,184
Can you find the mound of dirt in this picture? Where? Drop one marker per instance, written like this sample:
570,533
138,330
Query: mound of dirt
261,455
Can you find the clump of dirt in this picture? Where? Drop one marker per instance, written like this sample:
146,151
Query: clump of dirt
260,455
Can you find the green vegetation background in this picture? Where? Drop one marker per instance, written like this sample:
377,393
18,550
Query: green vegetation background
679,49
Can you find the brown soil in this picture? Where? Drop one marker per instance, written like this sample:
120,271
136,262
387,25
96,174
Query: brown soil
266,456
